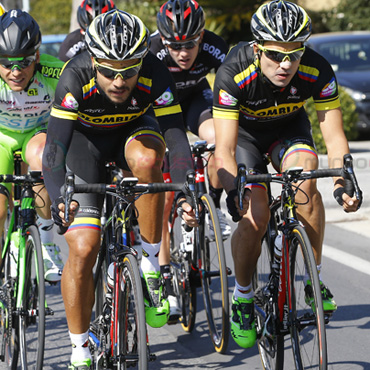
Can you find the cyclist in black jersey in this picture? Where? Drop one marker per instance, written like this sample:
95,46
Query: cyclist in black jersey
100,115
259,95
190,52
27,86
74,43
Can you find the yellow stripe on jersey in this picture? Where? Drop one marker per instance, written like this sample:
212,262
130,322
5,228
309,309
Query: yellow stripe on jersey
165,111
225,113
145,133
59,113
327,104
246,77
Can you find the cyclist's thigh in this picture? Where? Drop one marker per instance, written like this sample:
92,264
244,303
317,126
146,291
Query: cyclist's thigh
33,147
146,130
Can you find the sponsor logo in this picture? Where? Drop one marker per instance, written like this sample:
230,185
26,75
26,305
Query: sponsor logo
69,102
51,72
215,52
166,98
329,89
225,98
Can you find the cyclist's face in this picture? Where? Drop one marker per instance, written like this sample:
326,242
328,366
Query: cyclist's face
183,57
279,73
18,78
116,88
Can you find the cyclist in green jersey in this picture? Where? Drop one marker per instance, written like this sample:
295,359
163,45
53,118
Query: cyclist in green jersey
259,94
27,87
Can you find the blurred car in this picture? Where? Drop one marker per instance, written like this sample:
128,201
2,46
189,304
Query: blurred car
349,55
51,44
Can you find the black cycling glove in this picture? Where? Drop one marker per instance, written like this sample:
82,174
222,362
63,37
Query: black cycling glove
55,211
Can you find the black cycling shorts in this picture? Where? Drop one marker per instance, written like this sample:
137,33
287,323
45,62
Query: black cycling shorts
275,140
198,108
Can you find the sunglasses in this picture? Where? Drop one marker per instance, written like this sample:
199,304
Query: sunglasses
20,63
191,44
282,56
113,73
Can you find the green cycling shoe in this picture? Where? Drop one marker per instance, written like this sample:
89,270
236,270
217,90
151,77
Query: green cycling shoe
328,302
243,324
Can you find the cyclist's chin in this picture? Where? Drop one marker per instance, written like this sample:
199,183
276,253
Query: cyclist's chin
118,97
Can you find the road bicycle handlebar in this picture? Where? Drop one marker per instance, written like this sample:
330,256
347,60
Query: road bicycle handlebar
33,177
297,174
125,188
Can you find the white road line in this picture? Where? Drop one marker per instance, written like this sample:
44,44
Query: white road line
347,259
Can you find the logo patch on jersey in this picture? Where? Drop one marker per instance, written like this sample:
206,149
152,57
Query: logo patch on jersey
293,90
174,69
329,89
166,98
133,102
32,92
225,98
69,102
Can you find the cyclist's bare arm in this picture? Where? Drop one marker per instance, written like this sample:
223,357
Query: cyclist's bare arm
331,125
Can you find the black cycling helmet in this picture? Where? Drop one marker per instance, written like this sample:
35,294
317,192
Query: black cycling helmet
179,20
281,21
19,34
89,9
117,35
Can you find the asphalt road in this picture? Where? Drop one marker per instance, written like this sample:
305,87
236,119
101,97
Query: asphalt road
346,270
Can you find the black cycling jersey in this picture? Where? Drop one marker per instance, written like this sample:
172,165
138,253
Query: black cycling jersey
213,50
72,45
79,105
241,92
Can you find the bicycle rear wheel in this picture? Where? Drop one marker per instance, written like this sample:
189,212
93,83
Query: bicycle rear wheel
32,318
270,343
214,276
130,330
181,262
307,329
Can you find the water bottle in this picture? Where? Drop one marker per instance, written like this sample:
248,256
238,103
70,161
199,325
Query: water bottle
278,244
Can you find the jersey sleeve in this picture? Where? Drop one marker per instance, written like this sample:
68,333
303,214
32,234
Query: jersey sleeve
325,93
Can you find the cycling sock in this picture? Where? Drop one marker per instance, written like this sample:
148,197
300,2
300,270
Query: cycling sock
46,230
80,347
166,274
319,271
306,277
149,260
215,195
243,291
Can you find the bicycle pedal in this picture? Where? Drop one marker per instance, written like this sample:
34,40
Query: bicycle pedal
152,357
228,271
49,312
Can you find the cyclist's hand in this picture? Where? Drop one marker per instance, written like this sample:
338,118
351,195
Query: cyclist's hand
57,211
349,204
232,203
186,212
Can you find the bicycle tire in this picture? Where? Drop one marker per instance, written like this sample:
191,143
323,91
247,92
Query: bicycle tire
181,267
270,343
308,333
32,322
130,331
214,276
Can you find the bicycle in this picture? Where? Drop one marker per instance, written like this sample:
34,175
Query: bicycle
198,259
279,280
118,335
22,294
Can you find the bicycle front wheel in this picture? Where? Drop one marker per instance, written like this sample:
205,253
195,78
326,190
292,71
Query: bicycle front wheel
184,286
32,317
130,325
307,329
214,276
265,285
